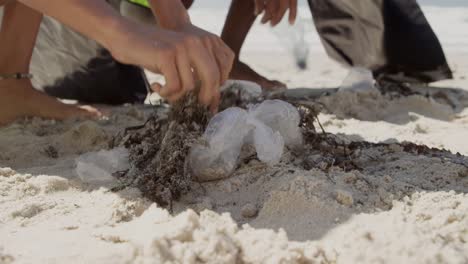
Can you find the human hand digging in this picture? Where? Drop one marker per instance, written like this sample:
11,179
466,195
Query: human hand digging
274,10
176,49
181,58
211,61
208,59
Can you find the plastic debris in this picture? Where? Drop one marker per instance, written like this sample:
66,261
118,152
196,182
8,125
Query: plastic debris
268,126
282,117
268,143
224,137
96,168
293,38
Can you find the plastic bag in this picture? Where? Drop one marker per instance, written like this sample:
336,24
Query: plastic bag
96,168
223,138
282,117
293,38
268,126
268,143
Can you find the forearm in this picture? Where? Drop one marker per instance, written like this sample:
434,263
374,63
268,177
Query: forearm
170,14
238,23
93,18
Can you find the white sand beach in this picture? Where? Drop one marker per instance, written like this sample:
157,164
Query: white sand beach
401,208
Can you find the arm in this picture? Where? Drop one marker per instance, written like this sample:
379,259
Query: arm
98,20
239,20
172,54
170,14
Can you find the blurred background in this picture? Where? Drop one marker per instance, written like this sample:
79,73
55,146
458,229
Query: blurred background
271,50
445,16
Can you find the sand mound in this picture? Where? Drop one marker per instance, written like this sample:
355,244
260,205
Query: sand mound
158,150
372,105
122,227
346,201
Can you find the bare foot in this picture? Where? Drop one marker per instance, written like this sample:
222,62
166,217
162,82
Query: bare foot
241,71
19,99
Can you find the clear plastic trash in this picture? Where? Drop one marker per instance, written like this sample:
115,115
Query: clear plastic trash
223,140
268,143
96,168
358,79
282,117
268,126
295,39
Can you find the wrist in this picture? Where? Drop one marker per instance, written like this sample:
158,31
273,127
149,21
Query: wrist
110,29
118,33
170,14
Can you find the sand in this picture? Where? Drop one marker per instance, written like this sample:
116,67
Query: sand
401,207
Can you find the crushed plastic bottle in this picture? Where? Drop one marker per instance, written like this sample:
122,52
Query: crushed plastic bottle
96,168
268,143
224,137
282,117
268,126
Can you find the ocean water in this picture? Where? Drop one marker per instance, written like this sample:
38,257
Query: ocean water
448,18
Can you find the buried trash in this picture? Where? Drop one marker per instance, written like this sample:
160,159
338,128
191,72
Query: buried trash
268,126
96,168
176,150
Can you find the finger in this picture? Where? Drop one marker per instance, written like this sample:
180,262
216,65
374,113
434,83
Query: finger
91,112
270,10
282,7
266,17
206,68
216,54
186,75
214,105
259,6
225,58
171,74
156,87
267,14
292,11
176,96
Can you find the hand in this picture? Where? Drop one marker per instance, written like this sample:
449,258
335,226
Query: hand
274,10
179,57
212,66
223,56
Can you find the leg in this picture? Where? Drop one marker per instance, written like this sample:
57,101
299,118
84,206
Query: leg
18,98
238,23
